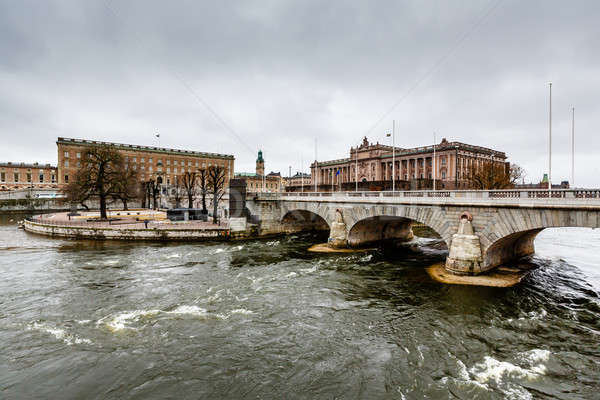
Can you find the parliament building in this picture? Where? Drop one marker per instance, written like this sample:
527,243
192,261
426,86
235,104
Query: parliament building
371,165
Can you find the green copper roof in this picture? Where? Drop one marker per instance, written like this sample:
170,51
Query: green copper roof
260,157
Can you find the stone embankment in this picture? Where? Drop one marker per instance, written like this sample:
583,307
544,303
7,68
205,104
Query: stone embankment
59,225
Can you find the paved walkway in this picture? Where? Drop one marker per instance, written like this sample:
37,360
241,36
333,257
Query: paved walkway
125,221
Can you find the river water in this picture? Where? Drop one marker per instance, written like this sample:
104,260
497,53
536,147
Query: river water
265,319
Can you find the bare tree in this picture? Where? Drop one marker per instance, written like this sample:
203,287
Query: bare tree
203,186
492,175
100,176
177,191
216,186
127,187
188,180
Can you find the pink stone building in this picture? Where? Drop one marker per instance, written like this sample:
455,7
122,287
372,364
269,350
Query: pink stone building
371,165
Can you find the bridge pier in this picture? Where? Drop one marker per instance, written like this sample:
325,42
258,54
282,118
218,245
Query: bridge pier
465,256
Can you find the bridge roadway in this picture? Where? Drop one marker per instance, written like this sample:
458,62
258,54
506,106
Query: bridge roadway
482,228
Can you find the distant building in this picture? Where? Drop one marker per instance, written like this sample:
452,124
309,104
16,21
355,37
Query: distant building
258,181
371,165
543,184
299,182
22,175
149,161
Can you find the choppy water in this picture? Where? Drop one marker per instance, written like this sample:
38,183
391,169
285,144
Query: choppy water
266,319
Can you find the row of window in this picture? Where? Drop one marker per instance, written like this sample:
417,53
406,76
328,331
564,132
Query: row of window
28,177
150,161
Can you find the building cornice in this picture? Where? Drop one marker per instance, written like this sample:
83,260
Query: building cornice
150,149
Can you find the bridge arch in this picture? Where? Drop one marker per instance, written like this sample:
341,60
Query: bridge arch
512,233
304,217
382,223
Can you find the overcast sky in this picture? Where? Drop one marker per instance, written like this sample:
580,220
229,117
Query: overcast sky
234,77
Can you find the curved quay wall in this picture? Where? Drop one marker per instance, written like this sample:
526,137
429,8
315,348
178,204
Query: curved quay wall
101,233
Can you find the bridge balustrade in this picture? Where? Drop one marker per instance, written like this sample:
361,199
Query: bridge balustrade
569,195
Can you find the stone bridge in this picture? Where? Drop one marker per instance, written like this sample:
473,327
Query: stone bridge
482,229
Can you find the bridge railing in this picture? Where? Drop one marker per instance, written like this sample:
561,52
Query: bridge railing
530,194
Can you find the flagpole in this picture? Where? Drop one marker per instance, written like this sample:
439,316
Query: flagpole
393,155
434,166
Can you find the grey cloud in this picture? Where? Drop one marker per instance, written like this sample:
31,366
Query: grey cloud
283,73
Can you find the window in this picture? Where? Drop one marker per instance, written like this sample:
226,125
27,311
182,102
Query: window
175,162
143,159
189,163
175,169
78,155
443,174
150,160
66,163
196,163
53,177
16,177
134,159
29,177
78,164
168,170
3,176
66,154
168,162
41,177
66,178
444,161
150,168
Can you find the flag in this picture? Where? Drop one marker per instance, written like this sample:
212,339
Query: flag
337,172
158,135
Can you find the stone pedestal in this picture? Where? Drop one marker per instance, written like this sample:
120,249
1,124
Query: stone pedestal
237,224
465,256
338,236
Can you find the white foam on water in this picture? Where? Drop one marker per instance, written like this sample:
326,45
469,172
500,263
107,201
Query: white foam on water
501,372
217,251
59,334
238,248
291,275
190,310
366,258
535,315
83,321
121,320
273,243
174,256
309,270
241,311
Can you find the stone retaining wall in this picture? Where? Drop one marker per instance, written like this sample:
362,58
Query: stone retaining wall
85,232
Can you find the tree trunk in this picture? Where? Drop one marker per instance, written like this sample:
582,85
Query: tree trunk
102,207
215,205
190,201
204,210
125,205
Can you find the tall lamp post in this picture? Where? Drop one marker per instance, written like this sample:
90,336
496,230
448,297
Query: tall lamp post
550,142
434,164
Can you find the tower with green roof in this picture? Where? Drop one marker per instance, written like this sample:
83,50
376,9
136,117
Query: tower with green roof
260,164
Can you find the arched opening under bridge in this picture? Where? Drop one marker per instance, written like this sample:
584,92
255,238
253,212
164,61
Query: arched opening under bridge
382,229
303,221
